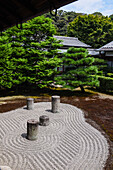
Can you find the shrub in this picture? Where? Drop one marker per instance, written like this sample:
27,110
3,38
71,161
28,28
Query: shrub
106,83
110,75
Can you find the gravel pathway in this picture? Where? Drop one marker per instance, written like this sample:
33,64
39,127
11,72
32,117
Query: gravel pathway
68,143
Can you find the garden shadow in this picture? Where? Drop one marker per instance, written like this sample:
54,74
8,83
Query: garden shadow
24,135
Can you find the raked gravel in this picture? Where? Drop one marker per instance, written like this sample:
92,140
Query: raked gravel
68,143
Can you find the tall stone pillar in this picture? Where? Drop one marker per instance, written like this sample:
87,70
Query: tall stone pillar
32,129
55,104
30,103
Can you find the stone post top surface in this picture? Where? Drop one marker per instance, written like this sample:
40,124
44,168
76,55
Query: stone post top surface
30,99
32,121
44,117
56,96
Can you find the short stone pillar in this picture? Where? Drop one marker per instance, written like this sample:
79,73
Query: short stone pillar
32,129
44,120
30,103
55,104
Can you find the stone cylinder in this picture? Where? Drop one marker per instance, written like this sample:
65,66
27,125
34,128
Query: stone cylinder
55,104
30,103
32,129
44,120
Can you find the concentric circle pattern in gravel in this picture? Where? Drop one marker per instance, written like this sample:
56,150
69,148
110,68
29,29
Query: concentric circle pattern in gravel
68,143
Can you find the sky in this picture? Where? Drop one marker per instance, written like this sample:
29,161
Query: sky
90,6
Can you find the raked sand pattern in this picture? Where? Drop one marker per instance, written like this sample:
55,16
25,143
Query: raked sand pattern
68,143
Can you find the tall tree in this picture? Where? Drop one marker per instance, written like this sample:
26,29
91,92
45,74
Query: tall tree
62,20
111,17
33,52
6,66
97,13
93,30
80,69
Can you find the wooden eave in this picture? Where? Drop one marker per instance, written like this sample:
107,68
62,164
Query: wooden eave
13,12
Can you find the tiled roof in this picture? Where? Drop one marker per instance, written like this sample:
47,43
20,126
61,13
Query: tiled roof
107,47
71,42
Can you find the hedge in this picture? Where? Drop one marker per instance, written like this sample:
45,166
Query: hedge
106,83
110,75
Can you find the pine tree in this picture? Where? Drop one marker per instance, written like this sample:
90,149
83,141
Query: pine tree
80,69
6,65
32,52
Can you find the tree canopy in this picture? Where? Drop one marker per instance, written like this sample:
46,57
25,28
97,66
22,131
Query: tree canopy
97,13
81,69
29,54
93,30
62,20
111,16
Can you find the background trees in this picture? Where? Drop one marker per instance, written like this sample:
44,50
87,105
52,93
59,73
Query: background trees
30,54
62,20
111,16
93,30
97,13
80,69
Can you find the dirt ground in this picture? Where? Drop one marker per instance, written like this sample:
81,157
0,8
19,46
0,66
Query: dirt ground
98,109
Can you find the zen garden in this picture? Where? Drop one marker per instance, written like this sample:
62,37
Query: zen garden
56,93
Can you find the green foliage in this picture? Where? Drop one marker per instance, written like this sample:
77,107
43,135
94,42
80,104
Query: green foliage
110,75
62,20
80,69
93,30
97,13
106,83
111,16
29,54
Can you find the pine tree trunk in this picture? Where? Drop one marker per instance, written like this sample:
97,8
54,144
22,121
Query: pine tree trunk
82,88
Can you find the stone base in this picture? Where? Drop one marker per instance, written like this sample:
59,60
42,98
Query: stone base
44,120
